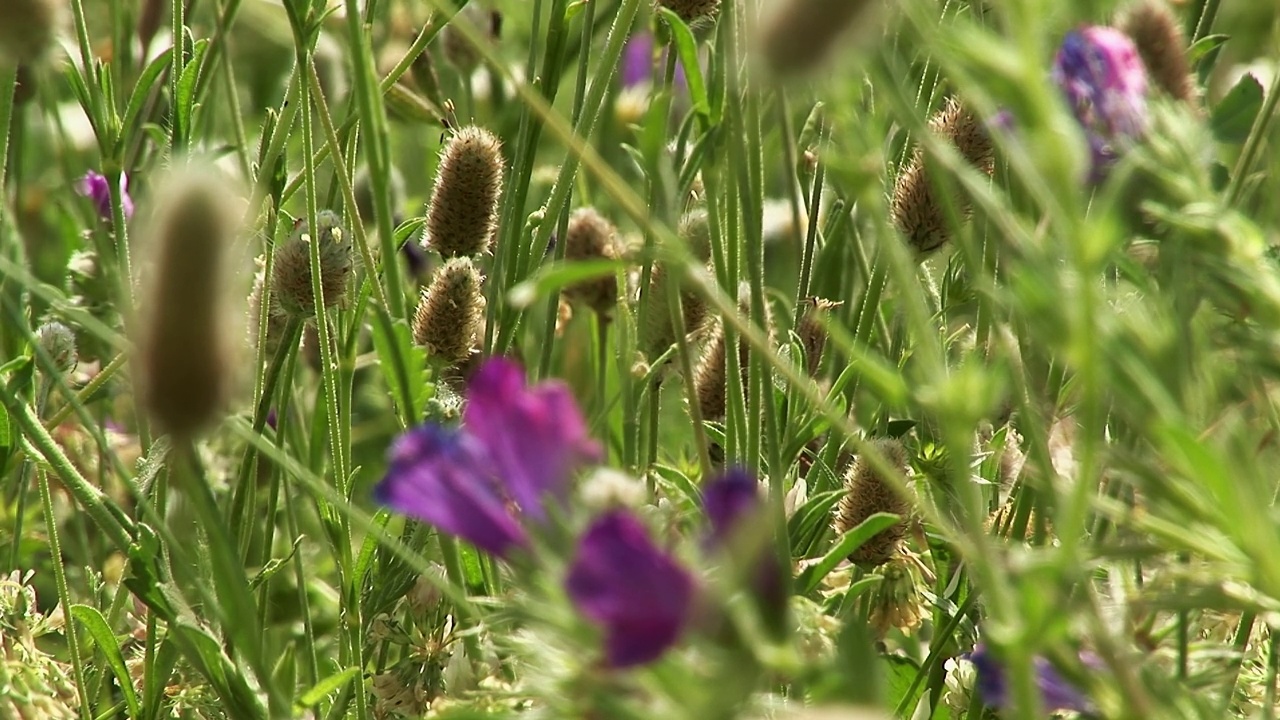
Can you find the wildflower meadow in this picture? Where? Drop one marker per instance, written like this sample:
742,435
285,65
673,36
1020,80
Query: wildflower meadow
639,359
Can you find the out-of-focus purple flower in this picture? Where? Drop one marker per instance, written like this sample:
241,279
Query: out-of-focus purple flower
95,187
639,64
1055,691
442,476
639,595
1100,72
735,513
516,446
533,437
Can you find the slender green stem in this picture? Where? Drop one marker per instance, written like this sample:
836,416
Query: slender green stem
64,595
1257,136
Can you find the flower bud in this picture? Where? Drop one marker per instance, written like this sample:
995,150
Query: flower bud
450,315
186,347
1162,47
867,493
693,11
812,334
59,343
591,237
916,209
29,29
463,212
291,275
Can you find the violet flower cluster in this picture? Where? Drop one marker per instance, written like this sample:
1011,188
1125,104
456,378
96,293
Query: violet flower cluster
1101,74
95,187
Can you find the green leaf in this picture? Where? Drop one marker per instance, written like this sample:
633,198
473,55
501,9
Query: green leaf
327,686
106,641
1205,45
852,540
1233,116
553,276
185,102
687,49
810,521
402,362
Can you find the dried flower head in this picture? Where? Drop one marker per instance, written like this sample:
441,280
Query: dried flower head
868,493
187,346
916,208
451,312
694,229
812,333
29,29
59,343
801,33
591,237
658,334
898,602
463,212
1163,48
712,370
291,274
692,11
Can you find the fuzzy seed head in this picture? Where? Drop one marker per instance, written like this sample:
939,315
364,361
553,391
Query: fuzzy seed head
692,11
867,493
463,213
916,209
812,334
709,376
188,343
658,334
29,29
59,343
1162,46
450,314
291,275
591,237
802,32
695,230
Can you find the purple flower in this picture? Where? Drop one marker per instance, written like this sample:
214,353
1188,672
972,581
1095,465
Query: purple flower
1101,74
639,595
516,445
735,512
639,64
1056,693
95,187
533,437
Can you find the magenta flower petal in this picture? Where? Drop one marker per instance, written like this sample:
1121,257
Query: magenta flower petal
639,595
739,528
637,60
534,438
440,476
728,500
94,186
1102,76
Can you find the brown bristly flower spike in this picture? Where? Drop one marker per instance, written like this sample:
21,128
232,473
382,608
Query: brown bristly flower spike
812,333
916,209
712,370
187,347
1163,48
658,334
29,29
591,237
451,312
692,11
801,33
694,229
867,493
463,213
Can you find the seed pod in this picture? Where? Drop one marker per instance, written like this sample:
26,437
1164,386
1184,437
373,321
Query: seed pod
712,371
451,313
291,275
463,213
591,237
59,343
916,208
29,29
693,11
813,336
802,32
867,493
187,348
1163,48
